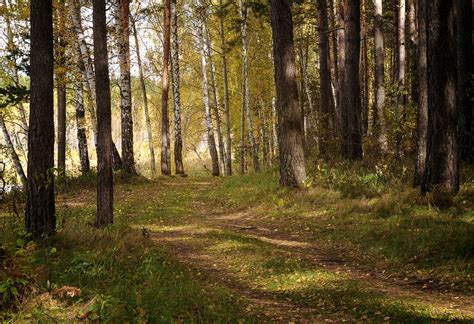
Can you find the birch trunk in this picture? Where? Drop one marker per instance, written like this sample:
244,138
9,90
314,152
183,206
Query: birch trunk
228,150
145,103
165,124
175,77
242,126
123,36
341,58
13,154
81,127
253,144
205,92
216,102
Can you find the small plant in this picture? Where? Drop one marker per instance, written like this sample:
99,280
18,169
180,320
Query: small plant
10,290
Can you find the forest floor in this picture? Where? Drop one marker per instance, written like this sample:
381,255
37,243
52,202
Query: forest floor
241,248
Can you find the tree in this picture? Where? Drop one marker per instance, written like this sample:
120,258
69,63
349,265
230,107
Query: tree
165,127
61,69
175,77
225,77
290,126
123,14
205,89
105,191
351,110
325,93
14,155
422,114
246,94
145,103
81,127
40,216
379,85
442,159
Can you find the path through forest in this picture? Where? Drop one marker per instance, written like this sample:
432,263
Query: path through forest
282,274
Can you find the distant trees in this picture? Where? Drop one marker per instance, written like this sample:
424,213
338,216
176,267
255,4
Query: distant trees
290,123
165,124
104,135
40,215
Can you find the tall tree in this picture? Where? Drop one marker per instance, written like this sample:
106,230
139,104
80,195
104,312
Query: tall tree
228,160
290,132
145,102
123,28
165,123
379,83
105,192
422,114
205,89
413,44
61,69
325,92
464,68
351,110
175,77
442,160
401,56
215,99
13,154
252,142
341,58
40,216
81,127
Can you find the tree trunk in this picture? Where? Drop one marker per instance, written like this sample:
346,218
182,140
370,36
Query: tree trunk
352,146
228,150
205,92
365,73
40,216
61,95
123,35
253,144
379,86
81,128
401,56
413,50
342,67
464,68
104,136
175,77
89,75
216,102
292,164
334,60
145,104
325,96
14,156
442,162
422,118
165,124
242,126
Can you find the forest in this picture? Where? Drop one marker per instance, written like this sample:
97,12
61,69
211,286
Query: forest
236,161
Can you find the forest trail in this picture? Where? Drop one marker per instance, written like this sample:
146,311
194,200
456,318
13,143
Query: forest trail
282,274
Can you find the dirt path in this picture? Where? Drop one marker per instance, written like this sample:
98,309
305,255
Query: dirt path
192,245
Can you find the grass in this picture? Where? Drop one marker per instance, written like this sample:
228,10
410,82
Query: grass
126,276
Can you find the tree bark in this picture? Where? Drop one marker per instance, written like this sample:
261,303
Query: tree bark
292,164
401,56
89,75
422,116
123,35
145,103
442,162
175,77
379,86
413,50
104,136
81,127
334,60
228,160
252,142
242,125
13,154
205,92
216,102
325,93
165,124
365,73
342,67
40,216
464,68
352,146
61,96
60,61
